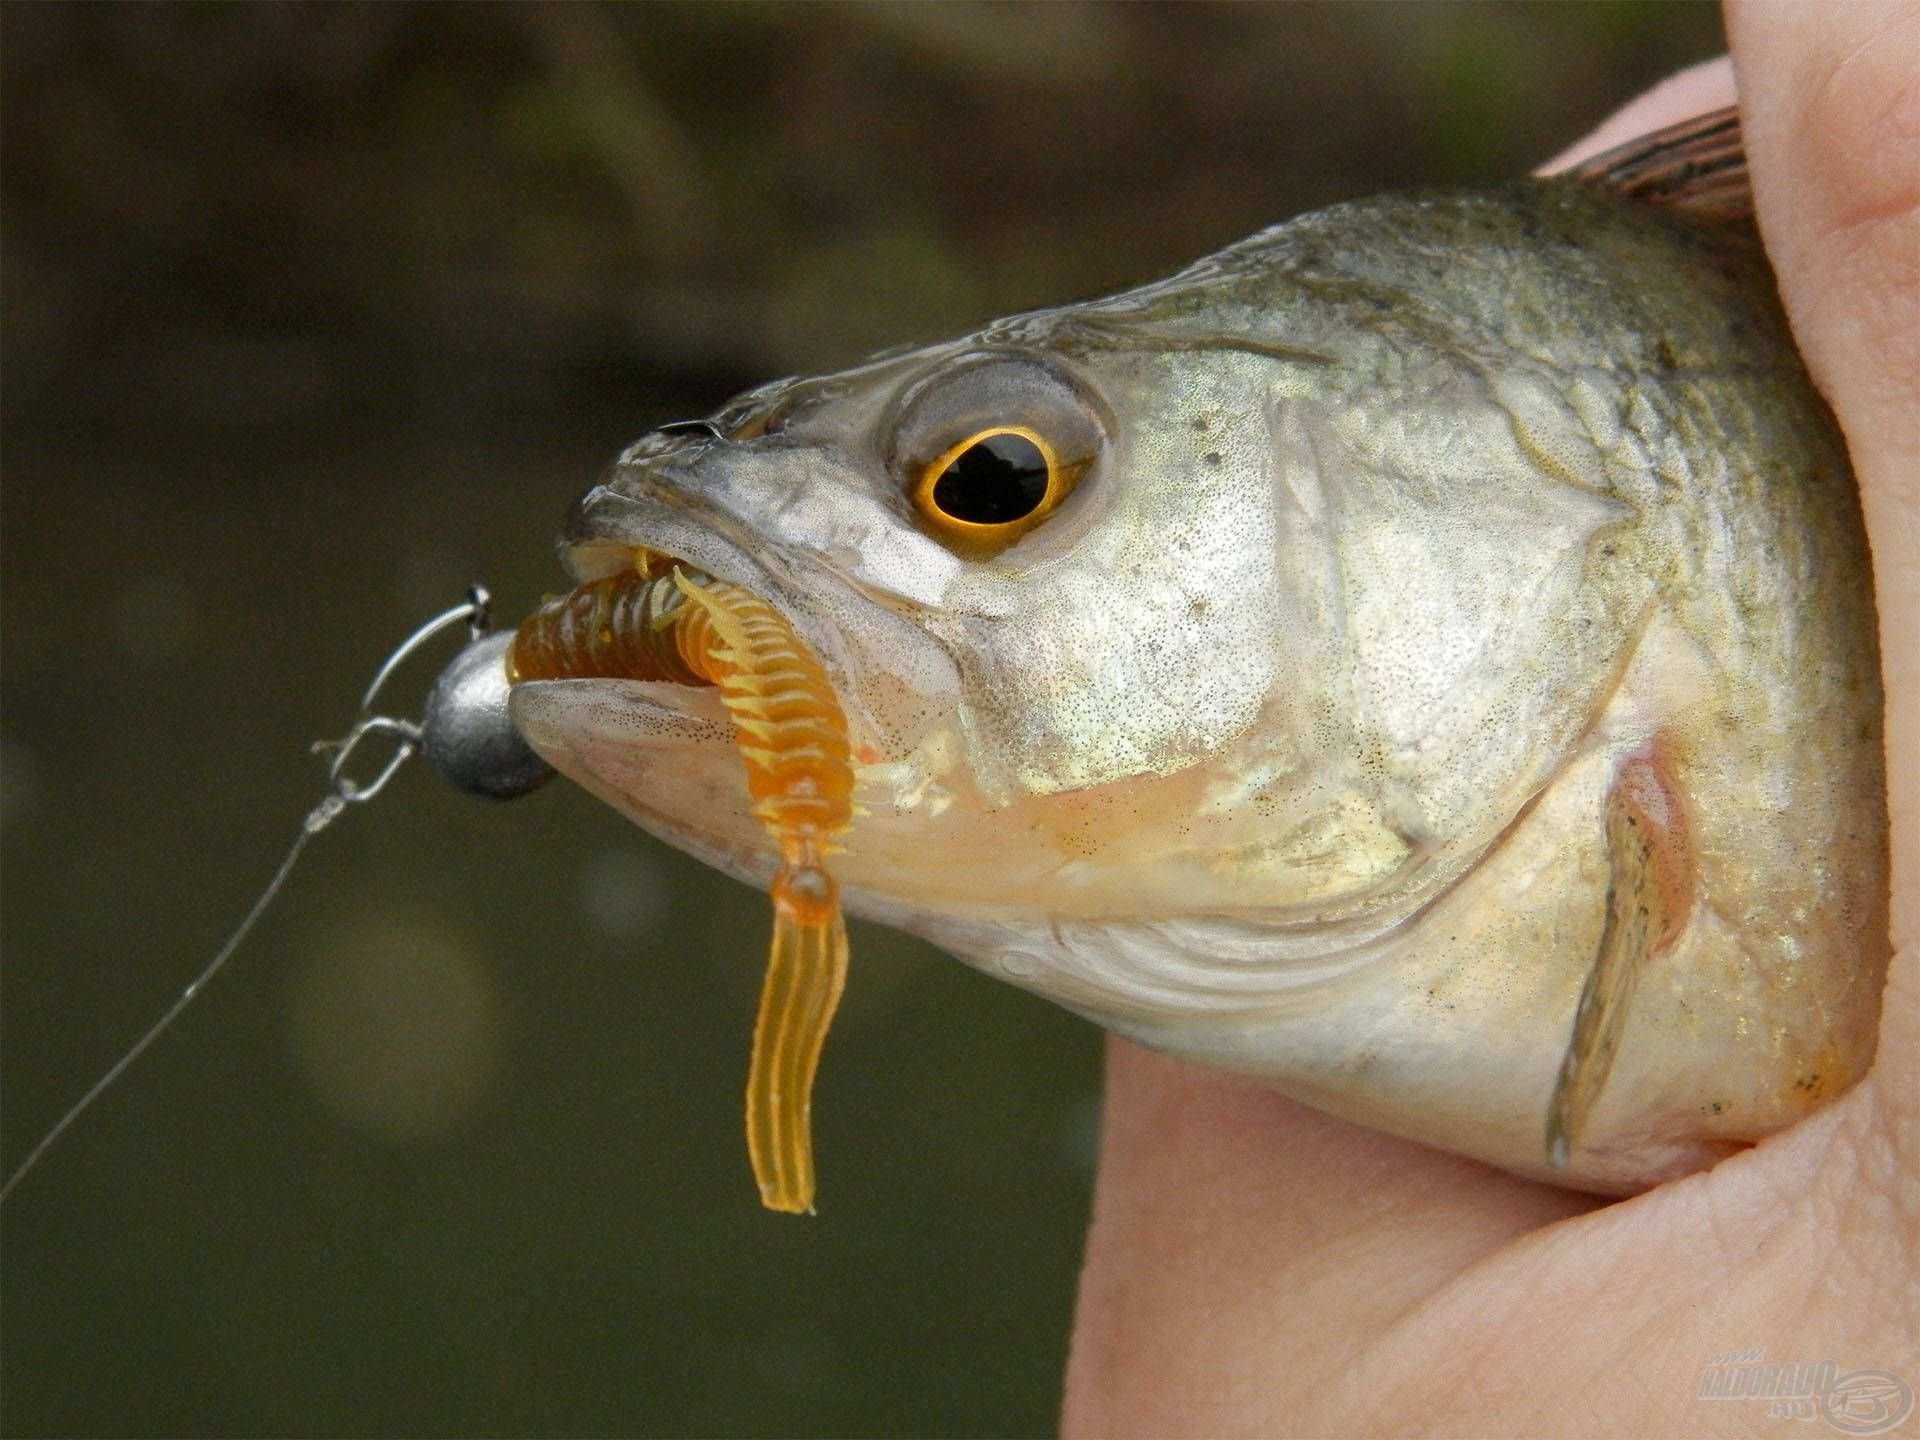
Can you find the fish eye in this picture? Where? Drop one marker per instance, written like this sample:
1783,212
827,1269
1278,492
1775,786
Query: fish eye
988,448
991,480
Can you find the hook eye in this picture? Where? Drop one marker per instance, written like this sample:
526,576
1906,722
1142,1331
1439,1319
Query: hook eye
401,735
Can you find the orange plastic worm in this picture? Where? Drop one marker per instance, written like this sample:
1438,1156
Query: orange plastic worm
792,734
619,627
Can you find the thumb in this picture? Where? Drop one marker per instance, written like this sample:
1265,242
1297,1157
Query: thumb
1831,95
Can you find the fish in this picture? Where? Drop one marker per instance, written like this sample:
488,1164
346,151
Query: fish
1421,656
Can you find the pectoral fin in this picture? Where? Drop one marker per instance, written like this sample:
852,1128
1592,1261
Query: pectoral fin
1649,893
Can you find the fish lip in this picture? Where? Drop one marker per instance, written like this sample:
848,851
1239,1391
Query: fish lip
684,718
605,515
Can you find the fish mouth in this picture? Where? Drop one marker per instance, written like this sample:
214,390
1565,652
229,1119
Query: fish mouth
894,679
662,750
609,532
665,754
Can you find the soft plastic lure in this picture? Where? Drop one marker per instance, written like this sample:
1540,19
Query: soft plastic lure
649,624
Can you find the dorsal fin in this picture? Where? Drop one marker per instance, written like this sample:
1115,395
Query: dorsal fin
1698,167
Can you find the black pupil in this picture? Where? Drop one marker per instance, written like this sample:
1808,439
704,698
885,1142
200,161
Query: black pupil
993,481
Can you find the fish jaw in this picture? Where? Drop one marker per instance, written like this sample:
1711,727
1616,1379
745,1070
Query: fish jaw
660,754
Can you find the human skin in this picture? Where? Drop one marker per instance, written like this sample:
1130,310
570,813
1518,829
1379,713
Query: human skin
1255,1268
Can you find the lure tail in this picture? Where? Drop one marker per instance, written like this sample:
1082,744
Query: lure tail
792,737
806,971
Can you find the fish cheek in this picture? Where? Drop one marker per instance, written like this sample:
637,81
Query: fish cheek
1150,644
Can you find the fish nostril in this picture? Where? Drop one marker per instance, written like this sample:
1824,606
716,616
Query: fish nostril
690,427
756,422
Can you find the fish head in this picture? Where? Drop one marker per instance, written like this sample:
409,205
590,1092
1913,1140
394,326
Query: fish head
1081,584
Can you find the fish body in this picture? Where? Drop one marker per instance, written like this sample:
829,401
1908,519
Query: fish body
1439,678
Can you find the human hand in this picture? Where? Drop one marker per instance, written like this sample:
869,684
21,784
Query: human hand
1256,1268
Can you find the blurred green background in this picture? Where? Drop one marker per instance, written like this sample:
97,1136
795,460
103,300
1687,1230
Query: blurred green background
313,314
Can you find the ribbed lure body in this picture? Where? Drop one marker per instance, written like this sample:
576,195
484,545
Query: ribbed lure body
792,735
620,626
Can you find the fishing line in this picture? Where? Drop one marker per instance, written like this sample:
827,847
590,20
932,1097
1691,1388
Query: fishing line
321,815
406,739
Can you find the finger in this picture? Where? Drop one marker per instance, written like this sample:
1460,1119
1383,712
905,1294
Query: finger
1697,90
1832,122
1232,1225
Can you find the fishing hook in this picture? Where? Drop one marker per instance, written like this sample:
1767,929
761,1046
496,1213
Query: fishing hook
476,612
